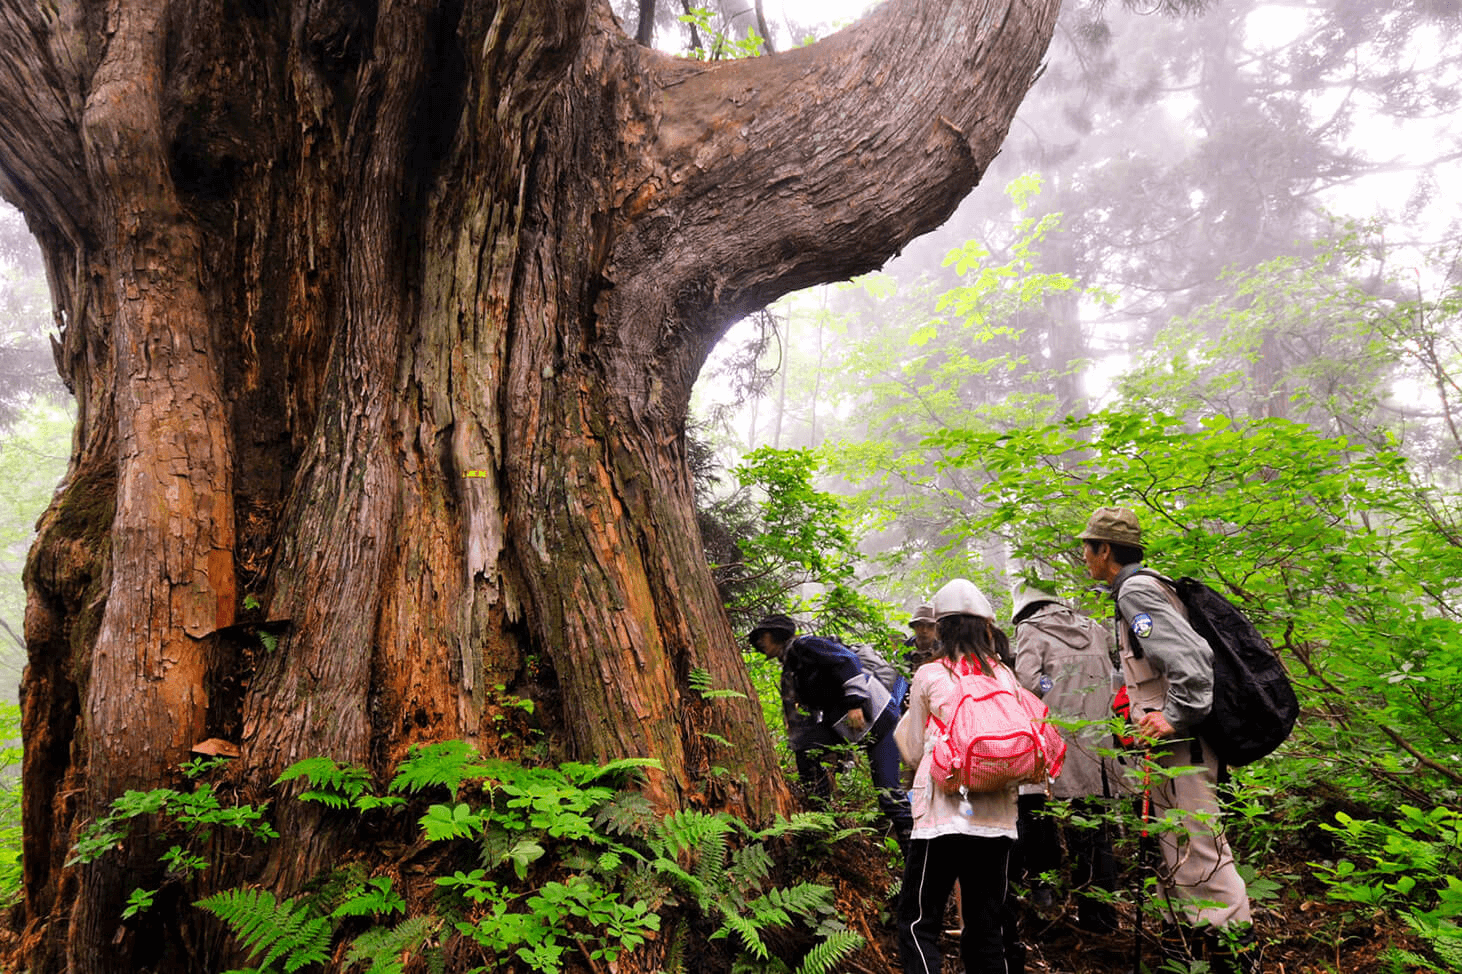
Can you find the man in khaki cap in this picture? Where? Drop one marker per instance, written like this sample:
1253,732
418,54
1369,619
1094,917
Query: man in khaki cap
1168,669
924,643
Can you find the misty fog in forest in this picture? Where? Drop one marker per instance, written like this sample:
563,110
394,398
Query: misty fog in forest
1226,205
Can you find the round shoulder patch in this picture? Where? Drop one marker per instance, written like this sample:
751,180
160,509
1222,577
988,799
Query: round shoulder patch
1142,625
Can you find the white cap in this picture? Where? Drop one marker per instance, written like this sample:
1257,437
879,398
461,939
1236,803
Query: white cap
1027,595
961,596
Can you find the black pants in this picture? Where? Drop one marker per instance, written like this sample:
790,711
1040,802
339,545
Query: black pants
930,871
1093,863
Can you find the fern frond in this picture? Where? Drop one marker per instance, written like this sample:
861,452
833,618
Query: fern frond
372,897
276,929
769,912
804,899
826,956
627,813
692,885
802,823
617,773
747,930
675,953
687,830
700,682
750,866
447,763
383,946
710,860
331,783
699,679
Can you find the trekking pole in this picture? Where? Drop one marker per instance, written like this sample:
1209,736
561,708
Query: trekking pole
1142,850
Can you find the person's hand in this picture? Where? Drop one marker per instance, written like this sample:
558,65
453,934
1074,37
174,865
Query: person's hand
856,723
1154,726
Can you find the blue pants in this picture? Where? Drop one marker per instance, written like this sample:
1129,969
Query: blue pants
883,765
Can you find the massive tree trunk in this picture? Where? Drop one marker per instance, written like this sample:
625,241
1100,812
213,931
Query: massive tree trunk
384,317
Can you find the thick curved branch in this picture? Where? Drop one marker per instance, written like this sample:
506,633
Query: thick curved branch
776,173
42,84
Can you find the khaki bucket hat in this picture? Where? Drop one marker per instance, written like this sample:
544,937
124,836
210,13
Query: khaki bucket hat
1117,525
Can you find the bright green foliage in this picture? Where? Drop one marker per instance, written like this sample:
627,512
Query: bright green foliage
10,867
826,957
567,863
720,45
383,947
1325,541
1409,867
447,764
374,897
33,452
195,814
139,901
804,535
336,785
700,682
974,357
282,931
640,866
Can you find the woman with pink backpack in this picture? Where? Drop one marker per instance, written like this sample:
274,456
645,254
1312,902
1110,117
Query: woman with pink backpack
965,814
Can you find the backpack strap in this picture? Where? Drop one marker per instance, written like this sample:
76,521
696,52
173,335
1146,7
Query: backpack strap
1169,589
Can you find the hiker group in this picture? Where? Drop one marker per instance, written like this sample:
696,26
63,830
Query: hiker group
991,729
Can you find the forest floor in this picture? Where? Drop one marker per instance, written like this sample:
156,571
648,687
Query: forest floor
1301,931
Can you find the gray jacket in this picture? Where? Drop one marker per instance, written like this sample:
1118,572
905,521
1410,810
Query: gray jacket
1173,672
1075,652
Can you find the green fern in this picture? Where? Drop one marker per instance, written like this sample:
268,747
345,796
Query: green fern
278,930
750,867
688,830
374,897
448,763
669,867
802,823
618,773
827,955
1443,936
627,813
383,946
700,682
747,929
675,952
332,784
804,900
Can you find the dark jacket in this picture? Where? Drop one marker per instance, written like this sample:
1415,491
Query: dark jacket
821,681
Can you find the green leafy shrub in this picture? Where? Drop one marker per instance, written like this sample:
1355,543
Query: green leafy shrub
566,861
10,837
1408,868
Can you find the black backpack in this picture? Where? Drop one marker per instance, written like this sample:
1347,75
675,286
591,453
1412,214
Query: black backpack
1254,704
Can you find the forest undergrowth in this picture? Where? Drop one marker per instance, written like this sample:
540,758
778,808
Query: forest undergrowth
465,863
1302,927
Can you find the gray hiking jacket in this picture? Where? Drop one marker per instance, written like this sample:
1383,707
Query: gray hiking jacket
1174,673
1075,652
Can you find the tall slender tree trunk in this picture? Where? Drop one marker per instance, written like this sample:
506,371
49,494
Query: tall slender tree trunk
384,318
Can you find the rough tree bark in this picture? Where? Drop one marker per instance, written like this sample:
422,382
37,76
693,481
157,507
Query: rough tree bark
384,316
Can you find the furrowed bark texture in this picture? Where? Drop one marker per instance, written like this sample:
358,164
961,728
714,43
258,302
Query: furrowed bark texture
382,320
